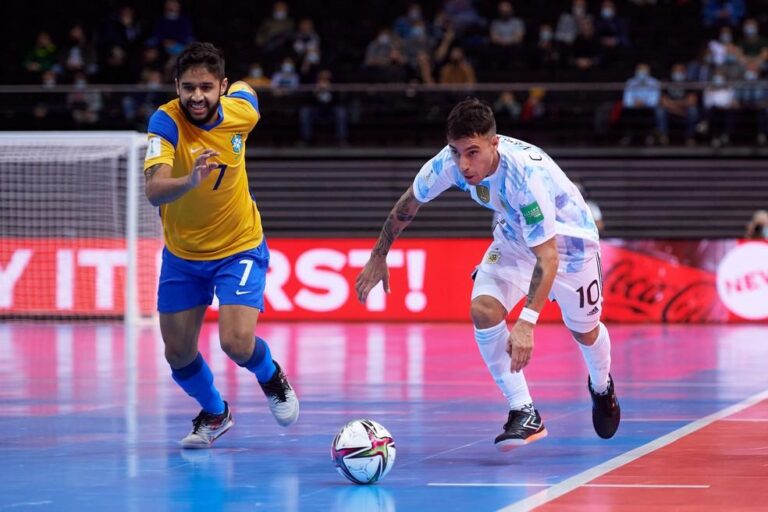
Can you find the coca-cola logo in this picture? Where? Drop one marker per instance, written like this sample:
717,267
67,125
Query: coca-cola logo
742,280
637,290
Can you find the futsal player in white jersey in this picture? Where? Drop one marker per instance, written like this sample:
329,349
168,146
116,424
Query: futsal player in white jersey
545,246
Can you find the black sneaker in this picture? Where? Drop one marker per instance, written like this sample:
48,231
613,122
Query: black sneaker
606,412
207,427
521,428
282,399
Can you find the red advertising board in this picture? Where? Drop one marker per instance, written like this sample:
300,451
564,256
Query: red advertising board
644,281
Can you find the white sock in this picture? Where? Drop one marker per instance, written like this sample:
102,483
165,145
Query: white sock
598,359
492,343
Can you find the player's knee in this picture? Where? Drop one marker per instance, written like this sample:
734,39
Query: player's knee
587,338
486,312
179,356
237,344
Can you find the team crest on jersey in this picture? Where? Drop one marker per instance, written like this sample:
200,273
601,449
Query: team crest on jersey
237,143
493,257
483,193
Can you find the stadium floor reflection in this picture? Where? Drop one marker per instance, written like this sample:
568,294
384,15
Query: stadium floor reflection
90,424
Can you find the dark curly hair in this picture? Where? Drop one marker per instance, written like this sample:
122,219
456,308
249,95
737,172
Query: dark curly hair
468,118
201,54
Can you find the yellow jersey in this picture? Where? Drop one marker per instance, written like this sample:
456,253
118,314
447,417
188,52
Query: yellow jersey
218,218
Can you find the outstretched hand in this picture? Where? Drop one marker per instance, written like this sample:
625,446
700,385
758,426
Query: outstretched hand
202,168
374,271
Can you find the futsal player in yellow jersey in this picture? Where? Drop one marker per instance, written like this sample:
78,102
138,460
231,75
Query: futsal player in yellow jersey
195,172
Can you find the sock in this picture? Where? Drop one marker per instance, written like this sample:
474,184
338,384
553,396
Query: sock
261,363
492,343
197,380
598,359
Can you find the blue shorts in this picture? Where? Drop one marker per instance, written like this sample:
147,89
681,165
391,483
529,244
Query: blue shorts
238,280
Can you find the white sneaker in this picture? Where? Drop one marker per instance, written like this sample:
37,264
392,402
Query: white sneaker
282,399
207,427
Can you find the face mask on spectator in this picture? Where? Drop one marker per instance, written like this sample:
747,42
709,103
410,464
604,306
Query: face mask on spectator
417,32
280,15
287,68
750,75
718,79
414,14
257,73
607,13
578,10
678,76
641,73
546,35
383,39
750,30
726,38
313,58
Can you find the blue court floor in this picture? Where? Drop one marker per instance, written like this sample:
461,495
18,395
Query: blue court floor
90,424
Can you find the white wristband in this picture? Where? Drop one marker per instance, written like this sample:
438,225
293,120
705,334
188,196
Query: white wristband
529,316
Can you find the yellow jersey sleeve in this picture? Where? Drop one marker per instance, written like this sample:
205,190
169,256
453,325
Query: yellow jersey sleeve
162,139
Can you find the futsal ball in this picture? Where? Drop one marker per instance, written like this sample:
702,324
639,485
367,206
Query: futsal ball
363,451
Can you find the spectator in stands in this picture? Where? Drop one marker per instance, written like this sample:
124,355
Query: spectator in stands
641,104
700,68
403,25
173,30
568,22
416,43
324,107
384,61
506,108
79,56
84,104
458,70
506,36
753,46
534,107
753,97
546,55
613,35
309,66
681,103
138,107
466,21
757,228
124,31
718,13
274,33
41,58
286,77
256,77
585,52
719,106
306,40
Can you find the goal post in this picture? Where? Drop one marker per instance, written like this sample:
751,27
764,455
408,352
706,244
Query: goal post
77,237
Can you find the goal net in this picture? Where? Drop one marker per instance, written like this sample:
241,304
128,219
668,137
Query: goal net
78,239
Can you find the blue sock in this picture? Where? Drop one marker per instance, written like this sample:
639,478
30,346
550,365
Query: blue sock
261,362
197,380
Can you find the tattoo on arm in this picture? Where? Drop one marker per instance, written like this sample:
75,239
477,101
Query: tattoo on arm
401,215
538,273
151,171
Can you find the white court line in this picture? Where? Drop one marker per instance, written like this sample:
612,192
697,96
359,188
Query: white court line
566,486
615,486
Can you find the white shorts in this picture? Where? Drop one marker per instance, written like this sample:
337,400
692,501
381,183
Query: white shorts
578,294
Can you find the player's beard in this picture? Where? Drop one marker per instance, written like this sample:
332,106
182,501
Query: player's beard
208,117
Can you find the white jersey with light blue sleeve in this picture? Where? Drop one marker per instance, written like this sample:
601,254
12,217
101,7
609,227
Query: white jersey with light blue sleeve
533,197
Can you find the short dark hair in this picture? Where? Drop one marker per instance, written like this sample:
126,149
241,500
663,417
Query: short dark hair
201,54
468,118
